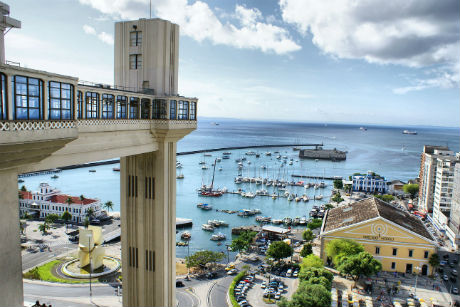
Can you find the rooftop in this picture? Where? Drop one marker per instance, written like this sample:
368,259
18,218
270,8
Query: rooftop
61,198
371,208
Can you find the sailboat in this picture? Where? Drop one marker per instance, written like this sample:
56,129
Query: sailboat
208,191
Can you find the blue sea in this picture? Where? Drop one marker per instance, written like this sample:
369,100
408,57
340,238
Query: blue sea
384,150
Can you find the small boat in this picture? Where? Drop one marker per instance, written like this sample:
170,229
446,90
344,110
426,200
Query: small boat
204,167
225,157
268,153
204,206
20,180
296,149
319,197
202,162
218,237
287,221
208,155
290,197
54,177
180,176
305,198
92,170
410,132
363,128
297,199
220,169
207,227
277,221
180,243
185,235
250,153
226,153
116,169
218,160
274,196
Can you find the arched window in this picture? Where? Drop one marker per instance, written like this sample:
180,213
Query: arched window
159,109
79,104
145,108
133,107
92,105
3,98
122,104
107,106
182,112
28,98
172,109
60,100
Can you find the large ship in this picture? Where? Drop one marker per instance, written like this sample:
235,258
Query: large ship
409,132
325,154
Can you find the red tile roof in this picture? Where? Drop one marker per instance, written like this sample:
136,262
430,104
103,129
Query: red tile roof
26,194
62,199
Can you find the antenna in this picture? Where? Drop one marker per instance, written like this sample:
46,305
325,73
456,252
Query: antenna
150,9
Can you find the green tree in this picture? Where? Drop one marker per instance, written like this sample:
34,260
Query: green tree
308,235
411,189
82,197
311,261
243,241
23,188
337,198
43,228
434,262
66,216
307,249
328,206
108,205
348,188
315,223
338,184
279,250
201,258
51,218
90,213
86,222
308,295
345,247
357,265
69,201
316,275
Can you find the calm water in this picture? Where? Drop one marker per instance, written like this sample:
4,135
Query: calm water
384,150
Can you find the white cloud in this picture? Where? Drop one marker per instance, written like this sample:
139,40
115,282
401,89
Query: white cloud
103,36
413,33
199,21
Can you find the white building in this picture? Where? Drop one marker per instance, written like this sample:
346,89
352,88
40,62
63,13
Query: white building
444,183
48,200
453,229
369,183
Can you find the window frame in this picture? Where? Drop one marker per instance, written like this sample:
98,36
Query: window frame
183,110
377,250
95,101
192,113
122,107
411,253
137,61
172,110
393,265
159,109
40,97
426,254
145,108
61,100
108,113
395,251
133,106
137,42
79,104
3,96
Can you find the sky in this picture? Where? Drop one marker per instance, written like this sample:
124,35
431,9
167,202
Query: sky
338,61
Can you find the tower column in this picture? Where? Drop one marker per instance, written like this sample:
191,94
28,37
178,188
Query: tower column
148,224
11,290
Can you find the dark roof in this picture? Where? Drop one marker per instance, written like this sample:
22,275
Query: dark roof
370,208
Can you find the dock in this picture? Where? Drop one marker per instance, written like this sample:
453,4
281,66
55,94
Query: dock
183,223
317,177
238,230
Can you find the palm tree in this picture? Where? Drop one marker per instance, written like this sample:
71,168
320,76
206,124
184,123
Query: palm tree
108,206
90,213
66,216
86,222
43,227
434,262
69,201
82,198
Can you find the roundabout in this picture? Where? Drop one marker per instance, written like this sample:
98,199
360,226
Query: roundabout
72,269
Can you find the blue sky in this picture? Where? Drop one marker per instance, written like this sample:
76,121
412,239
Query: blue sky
363,62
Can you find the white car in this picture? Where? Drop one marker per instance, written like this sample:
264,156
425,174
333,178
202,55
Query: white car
232,272
455,290
289,273
263,285
277,296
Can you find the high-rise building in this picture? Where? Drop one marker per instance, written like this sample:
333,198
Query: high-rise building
444,182
427,174
453,231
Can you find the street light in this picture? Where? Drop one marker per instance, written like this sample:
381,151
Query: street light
90,268
228,253
416,277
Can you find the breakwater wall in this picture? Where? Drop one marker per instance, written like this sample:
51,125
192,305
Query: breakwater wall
317,177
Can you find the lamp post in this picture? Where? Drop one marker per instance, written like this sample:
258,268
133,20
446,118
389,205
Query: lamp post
416,277
90,268
228,253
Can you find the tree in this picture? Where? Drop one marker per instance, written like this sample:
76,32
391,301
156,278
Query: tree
362,264
348,188
69,201
82,198
307,249
434,262
386,197
345,247
23,188
86,222
411,189
90,213
201,258
108,205
315,223
308,235
311,261
337,198
43,227
51,218
316,275
243,241
328,206
338,184
308,295
279,250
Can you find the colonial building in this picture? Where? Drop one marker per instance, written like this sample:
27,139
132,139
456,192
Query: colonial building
369,183
394,237
48,200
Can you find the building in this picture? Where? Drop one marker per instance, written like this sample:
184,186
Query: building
396,187
48,200
397,239
371,182
49,120
453,229
427,178
444,183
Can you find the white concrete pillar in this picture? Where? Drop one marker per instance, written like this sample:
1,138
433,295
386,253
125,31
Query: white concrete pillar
11,290
148,213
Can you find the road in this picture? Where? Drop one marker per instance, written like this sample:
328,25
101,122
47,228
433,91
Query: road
217,295
448,269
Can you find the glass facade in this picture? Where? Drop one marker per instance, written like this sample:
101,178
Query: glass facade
92,105
107,106
3,98
79,105
145,108
182,112
122,105
172,109
192,110
28,98
133,107
159,109
60,100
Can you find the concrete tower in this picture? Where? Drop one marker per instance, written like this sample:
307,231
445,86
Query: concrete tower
147,56
5,22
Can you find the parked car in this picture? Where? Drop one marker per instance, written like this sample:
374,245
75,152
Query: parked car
263,285
454,272
289,273
455,290
230,267
232,272
445,277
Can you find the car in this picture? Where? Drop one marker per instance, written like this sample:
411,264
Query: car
289,273
452,264
230,267
455,290
445,256
445,277
232,272
440,270
242,302
453,279
295,274
179,284
442,263
263,285
277,296
454,272
211,275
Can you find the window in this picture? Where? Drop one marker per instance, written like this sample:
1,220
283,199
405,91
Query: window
92,105
145,108
377,250
28,98
182,112
172,109
135,38
425,254
60,100
411,253
395,251
80,104
133,107
107,106
159,109
122,102
393,265
3,98
135,61
193,110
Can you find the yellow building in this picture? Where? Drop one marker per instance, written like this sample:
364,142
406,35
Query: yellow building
397,239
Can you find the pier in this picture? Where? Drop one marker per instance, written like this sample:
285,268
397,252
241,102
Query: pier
317,177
